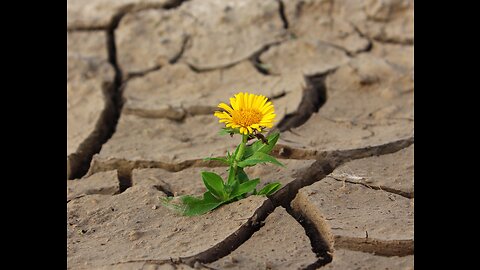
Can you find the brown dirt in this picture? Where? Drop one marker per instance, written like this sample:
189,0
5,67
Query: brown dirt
144,77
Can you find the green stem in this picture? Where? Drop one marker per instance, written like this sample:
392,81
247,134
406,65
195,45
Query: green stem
239,156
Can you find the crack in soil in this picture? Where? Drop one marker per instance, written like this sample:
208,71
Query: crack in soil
236,239
408,195
283,16
165,188
173,60
177,57
279,151
318,171
174,114
124,164
252,58
257,63
319,244
225,247
128,8
124,179
313,98
136,74
369,46
407,42
78,162
179,114
288,152
385,248
125,168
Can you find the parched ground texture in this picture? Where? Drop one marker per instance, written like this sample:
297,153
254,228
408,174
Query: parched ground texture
144,77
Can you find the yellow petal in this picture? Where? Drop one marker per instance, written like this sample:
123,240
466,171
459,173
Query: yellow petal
225,107
250,101
258,102
263,100
234,103
269,116
267,108
239,98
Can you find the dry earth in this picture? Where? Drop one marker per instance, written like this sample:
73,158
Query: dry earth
144,77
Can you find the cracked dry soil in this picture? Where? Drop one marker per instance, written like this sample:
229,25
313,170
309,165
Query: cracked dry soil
144,77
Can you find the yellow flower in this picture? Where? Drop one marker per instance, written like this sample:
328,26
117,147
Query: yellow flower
249,112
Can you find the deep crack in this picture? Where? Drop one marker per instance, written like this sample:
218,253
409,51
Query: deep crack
369,46
165,188
232,242
313,98
407,42
78,163
386,248
174,4
283,16
124,178
257,63
225,247
124,164
319,244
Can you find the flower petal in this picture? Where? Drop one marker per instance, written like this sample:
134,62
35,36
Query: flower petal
225,107
234,103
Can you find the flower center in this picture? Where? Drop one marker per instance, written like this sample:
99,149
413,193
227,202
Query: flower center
247,117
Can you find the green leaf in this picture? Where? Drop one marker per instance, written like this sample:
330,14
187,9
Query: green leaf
258,157
241,175
195,206
224,160
214,184
259,146
269,189
245,188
